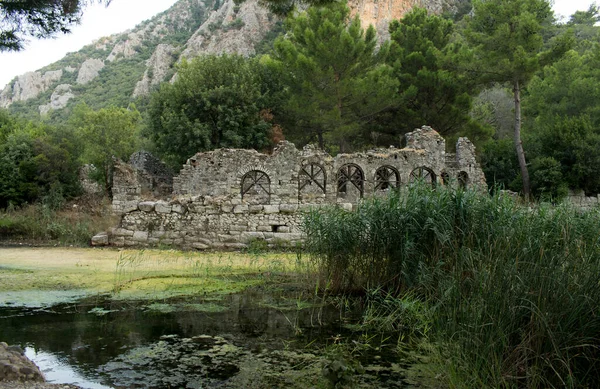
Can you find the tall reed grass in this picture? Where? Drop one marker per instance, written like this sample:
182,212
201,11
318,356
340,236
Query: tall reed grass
514,291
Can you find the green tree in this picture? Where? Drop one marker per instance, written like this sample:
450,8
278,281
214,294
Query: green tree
108,133
572,142
36,162
588,18
432,92
215,102
336,79
38,19
509,48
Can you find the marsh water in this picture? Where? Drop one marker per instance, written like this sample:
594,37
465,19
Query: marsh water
253,339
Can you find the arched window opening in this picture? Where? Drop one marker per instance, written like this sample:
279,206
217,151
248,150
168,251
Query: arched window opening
445,178
256,185
423,174
463,180
312,178
387,178
351,176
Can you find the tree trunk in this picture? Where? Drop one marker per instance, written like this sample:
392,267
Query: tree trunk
518,143
321,140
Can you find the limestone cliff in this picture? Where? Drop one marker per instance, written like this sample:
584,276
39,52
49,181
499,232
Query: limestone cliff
231,29
380,13
123,67
27,86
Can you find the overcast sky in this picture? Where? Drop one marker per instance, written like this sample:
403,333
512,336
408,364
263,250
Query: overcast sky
99,21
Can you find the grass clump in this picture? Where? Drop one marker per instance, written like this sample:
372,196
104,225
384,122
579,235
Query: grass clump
41,223
512,291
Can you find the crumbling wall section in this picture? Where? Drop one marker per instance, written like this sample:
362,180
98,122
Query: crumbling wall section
580,200
206,222
156,178
126,189
227,197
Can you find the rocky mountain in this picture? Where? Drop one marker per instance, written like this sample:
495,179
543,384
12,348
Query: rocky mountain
121,68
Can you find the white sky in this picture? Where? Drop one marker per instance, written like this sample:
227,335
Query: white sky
120,15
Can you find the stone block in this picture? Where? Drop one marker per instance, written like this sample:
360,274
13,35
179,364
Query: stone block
346,206
264,228
140,236
269,209
212,211
128,206
235,246
179,208
200,246
121,232
255,208
100,239
228,238
242,208
157,234
163,207
118,241
227,208
146,206
172,234
218,246
247,236
205,241
288,208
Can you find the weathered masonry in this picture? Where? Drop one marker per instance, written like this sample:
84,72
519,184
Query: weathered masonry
228,197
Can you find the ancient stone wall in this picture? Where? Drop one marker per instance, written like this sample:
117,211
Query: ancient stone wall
145,177
580,200
227,197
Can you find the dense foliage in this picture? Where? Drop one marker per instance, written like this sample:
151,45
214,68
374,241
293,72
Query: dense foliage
336,79
37,162
426,62
109,133
215,102
327,80
512,292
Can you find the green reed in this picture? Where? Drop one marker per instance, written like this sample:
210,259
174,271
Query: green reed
513,291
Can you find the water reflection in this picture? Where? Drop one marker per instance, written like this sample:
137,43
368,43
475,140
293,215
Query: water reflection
58,371
81,343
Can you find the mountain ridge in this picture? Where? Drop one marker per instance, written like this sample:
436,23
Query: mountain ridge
121,68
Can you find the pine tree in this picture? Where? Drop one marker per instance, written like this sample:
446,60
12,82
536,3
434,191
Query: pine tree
336,78
432,91
509,48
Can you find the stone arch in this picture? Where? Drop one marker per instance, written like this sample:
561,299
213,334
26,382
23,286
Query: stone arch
425,174
463,179
351,178
386,178
312,178
256,187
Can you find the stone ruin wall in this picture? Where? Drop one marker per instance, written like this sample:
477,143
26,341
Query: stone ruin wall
225,198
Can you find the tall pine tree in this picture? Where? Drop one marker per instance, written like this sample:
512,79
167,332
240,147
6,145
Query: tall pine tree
432,91
336,78
509,47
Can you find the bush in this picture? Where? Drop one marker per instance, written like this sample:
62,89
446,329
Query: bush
42,224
